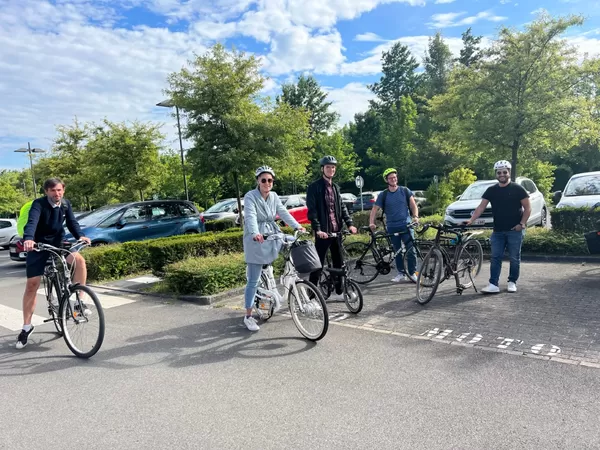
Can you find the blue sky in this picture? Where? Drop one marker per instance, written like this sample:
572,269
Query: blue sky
91,59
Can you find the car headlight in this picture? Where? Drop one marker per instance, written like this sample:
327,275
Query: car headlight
449,212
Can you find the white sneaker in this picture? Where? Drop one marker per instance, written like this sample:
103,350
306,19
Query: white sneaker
277,306
251,324
399,278
491,289
413,277
512,286
336,297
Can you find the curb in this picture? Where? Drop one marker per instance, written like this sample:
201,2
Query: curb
205,300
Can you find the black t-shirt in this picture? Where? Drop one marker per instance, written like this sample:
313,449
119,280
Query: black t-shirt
506,205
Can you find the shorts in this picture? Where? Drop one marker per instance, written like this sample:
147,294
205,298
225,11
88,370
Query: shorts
36,262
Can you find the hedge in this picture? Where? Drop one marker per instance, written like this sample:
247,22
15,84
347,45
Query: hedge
221,225
120,260
575,220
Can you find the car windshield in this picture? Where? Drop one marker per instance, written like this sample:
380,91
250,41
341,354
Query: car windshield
585,185
475,191
221,207
366,197
98,216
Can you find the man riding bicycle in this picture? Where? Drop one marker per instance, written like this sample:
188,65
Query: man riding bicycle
45,225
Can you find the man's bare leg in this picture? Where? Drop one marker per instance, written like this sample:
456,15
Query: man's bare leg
80,275
29,298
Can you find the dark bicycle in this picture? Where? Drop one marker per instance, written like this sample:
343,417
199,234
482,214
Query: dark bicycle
72,317
454,254
367,260
330,277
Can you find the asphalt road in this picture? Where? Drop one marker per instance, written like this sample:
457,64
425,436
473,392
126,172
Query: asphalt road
178,375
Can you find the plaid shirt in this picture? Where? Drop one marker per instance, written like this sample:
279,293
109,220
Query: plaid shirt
330,201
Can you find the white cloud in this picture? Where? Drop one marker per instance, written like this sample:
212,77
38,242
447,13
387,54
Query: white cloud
535,12
447,20
586,47
368,37
441,2
349,100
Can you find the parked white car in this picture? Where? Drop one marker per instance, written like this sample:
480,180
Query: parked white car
461,210
8,229
582,190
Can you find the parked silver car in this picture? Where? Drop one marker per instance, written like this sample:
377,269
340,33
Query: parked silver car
8,229
582,190
461,210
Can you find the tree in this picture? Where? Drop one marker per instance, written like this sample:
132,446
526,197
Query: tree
231,128
522,100
438,64
307,94
399,77
12,197
470,53
397,133
336,144
128,156
365,136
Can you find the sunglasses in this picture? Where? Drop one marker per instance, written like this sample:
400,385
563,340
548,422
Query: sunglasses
502,172
266,180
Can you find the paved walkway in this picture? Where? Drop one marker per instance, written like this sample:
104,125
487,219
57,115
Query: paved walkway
555,314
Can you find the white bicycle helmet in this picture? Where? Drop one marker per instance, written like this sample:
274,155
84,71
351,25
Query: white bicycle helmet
264,169
502,164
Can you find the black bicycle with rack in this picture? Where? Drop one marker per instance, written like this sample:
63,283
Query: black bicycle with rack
454,254
369,259
72,317
331,277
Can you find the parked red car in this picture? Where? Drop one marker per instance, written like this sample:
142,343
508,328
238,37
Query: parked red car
296,205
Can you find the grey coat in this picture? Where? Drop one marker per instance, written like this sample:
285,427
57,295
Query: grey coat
259,218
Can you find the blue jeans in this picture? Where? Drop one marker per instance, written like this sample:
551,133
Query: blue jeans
500,241
253,272
406,237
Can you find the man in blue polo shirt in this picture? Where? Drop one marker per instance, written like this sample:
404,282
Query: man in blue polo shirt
45,225
395,202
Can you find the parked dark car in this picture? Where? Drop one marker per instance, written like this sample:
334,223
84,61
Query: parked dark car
348,200
131,222
368,200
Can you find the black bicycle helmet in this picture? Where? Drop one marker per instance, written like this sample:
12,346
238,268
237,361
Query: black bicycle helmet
328,160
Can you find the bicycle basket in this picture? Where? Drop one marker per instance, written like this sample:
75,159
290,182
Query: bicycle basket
305,257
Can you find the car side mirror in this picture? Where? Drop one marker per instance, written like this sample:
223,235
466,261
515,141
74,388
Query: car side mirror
556,197
121,223
458,197
235,211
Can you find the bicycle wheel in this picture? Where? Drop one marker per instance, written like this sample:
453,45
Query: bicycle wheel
353,297
308,310
264,307
468,262
362,262
83,331
429,276
421,249
53,296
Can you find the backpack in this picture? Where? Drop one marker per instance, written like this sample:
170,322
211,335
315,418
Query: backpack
384,196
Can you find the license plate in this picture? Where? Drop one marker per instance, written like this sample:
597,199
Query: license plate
479,222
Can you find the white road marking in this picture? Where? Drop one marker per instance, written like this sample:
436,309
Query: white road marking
107,301
476,339
145,280
12,318
462,337
443,334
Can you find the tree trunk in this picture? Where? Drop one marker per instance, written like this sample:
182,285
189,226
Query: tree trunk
236,182
141,196
515,152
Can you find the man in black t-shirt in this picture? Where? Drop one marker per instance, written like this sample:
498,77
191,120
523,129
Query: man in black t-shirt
511,209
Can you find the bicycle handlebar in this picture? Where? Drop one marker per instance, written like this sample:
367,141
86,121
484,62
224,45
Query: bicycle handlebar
40,246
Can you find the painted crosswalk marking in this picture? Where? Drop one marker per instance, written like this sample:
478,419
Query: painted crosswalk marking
12,318
476,339
107,301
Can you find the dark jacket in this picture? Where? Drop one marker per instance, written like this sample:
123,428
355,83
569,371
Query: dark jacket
45,224
317,207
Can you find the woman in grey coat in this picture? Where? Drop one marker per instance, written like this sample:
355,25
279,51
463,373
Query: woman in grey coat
261,206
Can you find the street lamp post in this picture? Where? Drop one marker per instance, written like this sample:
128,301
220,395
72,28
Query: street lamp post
170,104
30,151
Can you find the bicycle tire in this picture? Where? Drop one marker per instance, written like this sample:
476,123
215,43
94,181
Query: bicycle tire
310,303
70,317
361,268
356,306
470,254
429,276
52,286
265,313
421,249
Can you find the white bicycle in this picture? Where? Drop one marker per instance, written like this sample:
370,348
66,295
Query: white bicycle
306,303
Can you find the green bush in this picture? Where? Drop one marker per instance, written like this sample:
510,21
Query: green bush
574,220
206,276
544,241
361,218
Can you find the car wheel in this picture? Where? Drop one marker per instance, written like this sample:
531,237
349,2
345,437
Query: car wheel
191,232
544,218
99,243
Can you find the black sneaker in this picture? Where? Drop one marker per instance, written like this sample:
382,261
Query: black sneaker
23,336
